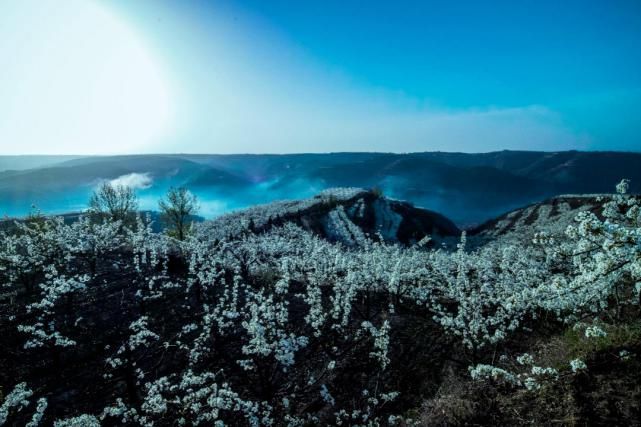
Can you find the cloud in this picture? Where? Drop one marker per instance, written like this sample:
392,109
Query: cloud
139,181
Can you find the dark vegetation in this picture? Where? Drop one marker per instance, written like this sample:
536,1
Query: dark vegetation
179,281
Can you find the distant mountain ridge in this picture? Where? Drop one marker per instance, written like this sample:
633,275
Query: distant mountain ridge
16,162
468,188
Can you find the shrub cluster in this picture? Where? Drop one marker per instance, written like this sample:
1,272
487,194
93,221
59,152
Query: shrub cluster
245,321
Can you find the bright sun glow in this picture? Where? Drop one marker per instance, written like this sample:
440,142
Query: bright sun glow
76,76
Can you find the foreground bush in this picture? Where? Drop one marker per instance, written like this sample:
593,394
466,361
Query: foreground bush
246,322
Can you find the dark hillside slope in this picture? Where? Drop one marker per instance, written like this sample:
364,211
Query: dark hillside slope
347,215
552,216
468,188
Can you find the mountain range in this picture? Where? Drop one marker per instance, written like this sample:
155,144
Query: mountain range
467,188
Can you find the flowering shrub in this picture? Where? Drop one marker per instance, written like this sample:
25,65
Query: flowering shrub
18,398
252,319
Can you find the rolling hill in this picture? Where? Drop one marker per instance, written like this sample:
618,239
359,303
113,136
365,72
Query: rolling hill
469,188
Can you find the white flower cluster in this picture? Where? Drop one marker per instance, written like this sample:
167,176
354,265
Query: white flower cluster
36,418
18,398
594,332
83,420
531,379
263,313
578,365
340,228
381,341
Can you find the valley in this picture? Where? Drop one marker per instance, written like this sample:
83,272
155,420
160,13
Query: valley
467,188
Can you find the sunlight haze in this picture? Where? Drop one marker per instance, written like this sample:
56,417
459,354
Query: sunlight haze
118,77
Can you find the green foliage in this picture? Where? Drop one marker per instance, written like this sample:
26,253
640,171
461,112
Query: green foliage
621,335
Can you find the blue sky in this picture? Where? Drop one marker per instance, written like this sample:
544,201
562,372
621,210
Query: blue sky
290,76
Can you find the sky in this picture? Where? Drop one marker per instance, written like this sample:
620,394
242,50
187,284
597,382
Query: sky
191,76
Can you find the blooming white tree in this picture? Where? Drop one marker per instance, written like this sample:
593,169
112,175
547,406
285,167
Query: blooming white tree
254,318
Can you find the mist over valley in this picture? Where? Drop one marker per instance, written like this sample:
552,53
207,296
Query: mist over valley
467,188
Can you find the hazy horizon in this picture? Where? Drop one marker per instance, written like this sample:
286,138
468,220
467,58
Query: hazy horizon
294,153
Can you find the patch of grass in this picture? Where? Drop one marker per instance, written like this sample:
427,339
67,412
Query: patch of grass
557,351
618,336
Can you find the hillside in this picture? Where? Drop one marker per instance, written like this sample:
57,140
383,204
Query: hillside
468,188
551,215
16,163
346,215
330,310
